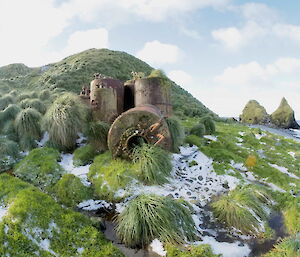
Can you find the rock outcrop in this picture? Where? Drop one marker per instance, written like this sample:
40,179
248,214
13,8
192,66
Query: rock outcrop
254,113
284,116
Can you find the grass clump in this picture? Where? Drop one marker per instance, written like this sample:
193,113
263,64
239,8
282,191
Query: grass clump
5,101
153,164
198,130
35,104
288,247
84,155
243,208
9,154
10,112
97,133
28,127
292,218
210,127
190,251
70,191
40,168
109,177
64,120
45,94
177,133
150,216
194,140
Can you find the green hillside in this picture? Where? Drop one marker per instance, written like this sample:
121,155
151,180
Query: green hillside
77,70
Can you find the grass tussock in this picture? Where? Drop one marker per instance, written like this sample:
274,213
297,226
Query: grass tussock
150,216
292,218
9,153
243,208
288,247
153,164
35,104
190,251
97,132
5,101
198,130
9,113
177,132
64,120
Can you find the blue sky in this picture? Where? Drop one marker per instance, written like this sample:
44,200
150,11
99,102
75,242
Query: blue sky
225,52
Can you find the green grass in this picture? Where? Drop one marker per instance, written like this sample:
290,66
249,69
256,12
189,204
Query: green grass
70,191
9,113
209,124
177,133
40,168
190,251
34,216
288,247
28,127
84,155
64,120
153,164
242,208
292,217
35,104
108,176
97,132
198,130
9,154
5,101
149,216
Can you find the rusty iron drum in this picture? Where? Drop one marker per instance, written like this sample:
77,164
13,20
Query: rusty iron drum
143,124
155,92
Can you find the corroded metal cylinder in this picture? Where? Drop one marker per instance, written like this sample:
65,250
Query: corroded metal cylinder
155,92
106,98
143,124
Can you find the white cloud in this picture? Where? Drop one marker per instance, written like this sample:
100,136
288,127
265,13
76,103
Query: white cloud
180,77
287,31
158,53
255,74
258,12
82,40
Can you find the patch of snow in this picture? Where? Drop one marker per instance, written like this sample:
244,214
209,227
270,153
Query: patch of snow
80,141
158,247
240,139
238,166
292,184
261,153
275,188
293,154
259,136
235,249
284,170
120,193
120,207
81,171
3,212
242,133
44,140
92,205
80,250
212,138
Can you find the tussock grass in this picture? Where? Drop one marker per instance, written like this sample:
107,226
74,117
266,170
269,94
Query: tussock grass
150,216
177,132
28,127
9,153
23,96
288,247
210,127
190,251
292,218
45,94
64,120
5,101
243,209
198,130
11,111
97,133
35,104
153,164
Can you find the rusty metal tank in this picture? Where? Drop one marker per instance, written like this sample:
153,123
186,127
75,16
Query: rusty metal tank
106,98
142,124
155,92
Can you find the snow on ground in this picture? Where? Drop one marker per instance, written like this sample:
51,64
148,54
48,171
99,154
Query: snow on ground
81,171
3,212
44,140
226,249
158,247
212,138
81,139
293,154
242,133
238,166
259,136
92,205
284,170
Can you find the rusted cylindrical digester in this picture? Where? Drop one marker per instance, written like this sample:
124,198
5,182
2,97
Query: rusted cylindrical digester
106,98
143,124
153,91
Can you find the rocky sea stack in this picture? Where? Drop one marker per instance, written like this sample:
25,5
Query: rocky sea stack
254,113
284,116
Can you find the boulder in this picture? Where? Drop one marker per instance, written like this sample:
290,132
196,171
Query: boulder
254,113
284,116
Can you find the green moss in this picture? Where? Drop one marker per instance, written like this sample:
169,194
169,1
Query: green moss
288,247
292,218
108,176
198,130
70,191
150,216
40,168
84,155
34,217
97,132
190,251
194,140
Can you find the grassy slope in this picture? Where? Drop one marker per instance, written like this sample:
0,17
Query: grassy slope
77,70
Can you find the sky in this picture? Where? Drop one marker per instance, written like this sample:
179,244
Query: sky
224,52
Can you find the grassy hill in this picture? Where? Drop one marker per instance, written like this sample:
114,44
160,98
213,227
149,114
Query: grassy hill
77,70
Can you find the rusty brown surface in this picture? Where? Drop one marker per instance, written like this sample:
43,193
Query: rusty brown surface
152,91
144,122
